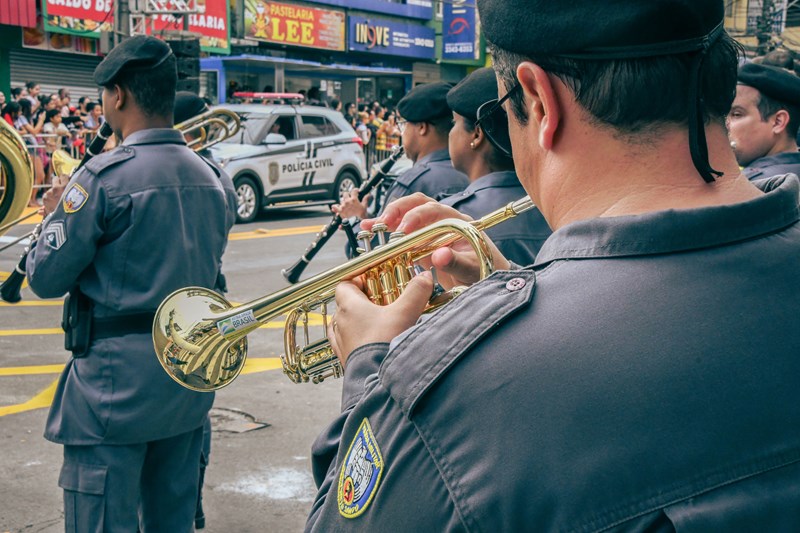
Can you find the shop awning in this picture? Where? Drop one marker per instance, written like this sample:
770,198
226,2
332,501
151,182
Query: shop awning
18,13
245,61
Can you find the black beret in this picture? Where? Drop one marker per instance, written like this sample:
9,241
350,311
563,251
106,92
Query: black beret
774,82
187,105
472,92
591,29
138,53
425,102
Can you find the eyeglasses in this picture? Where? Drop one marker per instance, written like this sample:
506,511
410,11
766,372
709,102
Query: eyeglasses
493,120
401,124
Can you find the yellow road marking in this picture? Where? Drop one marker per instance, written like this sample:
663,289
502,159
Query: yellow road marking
43,399
34,303
266,233
252,365
33,220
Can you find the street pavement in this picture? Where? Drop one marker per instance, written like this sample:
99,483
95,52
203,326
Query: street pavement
259,479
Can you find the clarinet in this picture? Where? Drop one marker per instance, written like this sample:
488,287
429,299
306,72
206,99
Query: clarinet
292,274
12,286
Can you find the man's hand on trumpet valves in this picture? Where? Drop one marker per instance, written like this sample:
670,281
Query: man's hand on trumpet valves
359,322
52,196
456,264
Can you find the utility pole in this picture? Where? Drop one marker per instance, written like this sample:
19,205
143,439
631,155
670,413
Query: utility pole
765,26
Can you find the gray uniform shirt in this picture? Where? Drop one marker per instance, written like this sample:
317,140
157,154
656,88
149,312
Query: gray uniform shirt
766,167
519,238
134,224
432,175
641,376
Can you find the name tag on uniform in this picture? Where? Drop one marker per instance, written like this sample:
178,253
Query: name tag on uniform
74,198
360,474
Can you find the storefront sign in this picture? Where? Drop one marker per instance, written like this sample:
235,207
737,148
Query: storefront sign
86,18
212,24
58,42
294,25
388,37
460,37
417,9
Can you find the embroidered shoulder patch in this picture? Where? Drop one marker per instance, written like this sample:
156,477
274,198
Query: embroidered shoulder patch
55,236
361,472
74,198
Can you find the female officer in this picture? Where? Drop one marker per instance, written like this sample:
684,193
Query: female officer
482,152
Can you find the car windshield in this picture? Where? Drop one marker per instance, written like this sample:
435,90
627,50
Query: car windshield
253,128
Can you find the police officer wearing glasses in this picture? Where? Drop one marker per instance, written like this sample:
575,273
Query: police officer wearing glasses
479,152
134,224
641,375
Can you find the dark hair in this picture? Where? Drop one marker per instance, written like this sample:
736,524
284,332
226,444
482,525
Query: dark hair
90,106
769,106
62,92
634,95
83,99
153,90
25,107
50,113
335,103
497,160
31,84
11,107
442,126
15,92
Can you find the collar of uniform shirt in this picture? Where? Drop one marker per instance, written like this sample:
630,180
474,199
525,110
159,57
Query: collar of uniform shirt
438,155
505,178
671,231
154,136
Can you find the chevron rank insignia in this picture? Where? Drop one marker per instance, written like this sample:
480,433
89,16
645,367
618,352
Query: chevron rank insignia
74,198
360,474
55,236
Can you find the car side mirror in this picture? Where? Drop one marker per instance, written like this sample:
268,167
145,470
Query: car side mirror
275,138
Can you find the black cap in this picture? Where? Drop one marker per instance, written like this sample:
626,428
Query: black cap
425,103
774,82
472,92
588,28
187,105
138,53
623,29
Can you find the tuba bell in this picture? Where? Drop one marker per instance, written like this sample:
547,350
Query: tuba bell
16,176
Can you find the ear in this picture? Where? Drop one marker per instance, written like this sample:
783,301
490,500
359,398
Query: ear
423,128
541,101
780,121
121,97
477,138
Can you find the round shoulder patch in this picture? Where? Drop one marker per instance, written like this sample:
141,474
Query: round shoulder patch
360,473
74,198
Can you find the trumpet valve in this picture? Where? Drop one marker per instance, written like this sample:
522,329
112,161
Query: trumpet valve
366,238
396,235
380,230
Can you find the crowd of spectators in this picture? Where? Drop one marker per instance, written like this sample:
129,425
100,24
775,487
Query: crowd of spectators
49,122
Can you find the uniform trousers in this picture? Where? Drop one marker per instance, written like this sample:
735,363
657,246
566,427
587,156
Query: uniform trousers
110,487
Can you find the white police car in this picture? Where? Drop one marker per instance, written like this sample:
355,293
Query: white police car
285,154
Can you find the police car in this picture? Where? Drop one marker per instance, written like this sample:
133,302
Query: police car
285,154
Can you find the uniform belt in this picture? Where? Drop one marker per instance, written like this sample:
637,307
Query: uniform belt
118,326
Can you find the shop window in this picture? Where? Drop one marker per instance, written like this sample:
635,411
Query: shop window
315,126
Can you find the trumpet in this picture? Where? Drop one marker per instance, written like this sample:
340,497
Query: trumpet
210,128
200,339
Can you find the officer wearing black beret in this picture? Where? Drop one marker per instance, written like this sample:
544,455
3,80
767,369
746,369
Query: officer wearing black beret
641,374
133,225
425,122
764,120
478,152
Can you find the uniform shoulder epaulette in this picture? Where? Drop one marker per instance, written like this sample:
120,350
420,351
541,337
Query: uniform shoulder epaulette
106,160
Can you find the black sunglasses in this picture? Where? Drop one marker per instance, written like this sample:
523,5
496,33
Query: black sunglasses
493,120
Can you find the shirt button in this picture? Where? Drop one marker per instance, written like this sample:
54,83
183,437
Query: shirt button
515,284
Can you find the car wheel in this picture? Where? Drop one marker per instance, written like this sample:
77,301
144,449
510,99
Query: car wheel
248,201
346,182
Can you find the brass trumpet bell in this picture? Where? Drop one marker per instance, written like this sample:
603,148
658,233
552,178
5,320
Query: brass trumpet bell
200,339
16,176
